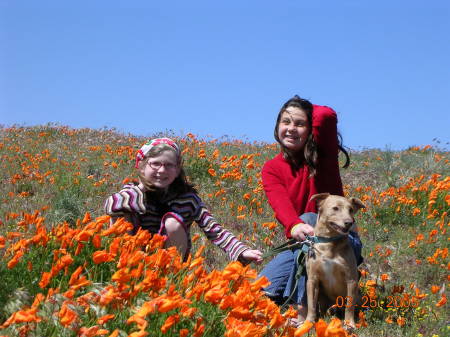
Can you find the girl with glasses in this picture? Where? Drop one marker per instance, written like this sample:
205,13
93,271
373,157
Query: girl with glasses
164,202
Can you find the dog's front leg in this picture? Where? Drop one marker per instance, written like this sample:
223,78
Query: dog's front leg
312,292
352,293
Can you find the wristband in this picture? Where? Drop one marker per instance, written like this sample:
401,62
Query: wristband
295,226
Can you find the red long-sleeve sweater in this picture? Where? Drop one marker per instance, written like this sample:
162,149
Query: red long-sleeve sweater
289,191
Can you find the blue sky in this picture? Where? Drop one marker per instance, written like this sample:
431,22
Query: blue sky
224,68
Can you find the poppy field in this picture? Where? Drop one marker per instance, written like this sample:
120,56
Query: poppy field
65,271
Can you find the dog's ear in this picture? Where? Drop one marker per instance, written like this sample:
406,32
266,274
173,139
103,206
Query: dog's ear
319,197
357,204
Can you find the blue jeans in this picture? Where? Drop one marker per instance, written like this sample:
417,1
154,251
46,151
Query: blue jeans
281,270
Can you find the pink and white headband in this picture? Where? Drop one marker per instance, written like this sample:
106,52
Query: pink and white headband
140,155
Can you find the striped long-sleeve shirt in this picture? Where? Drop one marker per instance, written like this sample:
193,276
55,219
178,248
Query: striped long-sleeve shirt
187,208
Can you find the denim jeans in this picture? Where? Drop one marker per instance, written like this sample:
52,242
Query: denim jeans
281,270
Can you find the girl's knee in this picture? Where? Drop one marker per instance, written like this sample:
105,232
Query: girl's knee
172,224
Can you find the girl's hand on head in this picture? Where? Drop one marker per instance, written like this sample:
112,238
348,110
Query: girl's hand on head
252,255
300,231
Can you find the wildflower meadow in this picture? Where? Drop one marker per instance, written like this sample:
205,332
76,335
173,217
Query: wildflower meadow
65,271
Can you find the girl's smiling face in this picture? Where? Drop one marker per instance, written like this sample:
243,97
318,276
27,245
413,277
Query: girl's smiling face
161,170
293,129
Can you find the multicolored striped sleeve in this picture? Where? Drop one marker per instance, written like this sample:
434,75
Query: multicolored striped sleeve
217,234
128,200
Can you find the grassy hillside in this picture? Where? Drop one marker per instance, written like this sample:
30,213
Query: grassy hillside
64,273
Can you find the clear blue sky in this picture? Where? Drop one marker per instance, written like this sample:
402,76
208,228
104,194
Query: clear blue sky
225,67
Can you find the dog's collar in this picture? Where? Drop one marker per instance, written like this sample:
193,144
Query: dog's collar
323,239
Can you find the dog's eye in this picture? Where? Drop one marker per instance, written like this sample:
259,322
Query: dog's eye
335,208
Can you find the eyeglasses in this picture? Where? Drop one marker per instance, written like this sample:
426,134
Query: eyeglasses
156,165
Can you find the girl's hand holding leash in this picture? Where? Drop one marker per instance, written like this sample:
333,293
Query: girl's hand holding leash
252,255
299,231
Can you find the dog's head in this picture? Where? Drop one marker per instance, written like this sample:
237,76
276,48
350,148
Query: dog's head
336,212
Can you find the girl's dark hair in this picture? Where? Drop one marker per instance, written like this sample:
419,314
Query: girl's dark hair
179,186
344,151
310,152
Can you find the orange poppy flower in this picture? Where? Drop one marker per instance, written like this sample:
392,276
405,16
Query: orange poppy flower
188,311
184,332
238,328
196,262
45,279
15,260
415,211
105,318
170,321
22,316
86,218
37,300
260,283
75,275
141,333
435,289
215,294
137,272
121,276
277,320
241,313
64,261
199,330
97,241
250,165
442,301
167,304
290,313
109,294
401,321
92,331
335,328
420,295
101,256
69,293
303,329
212,172
227,302
234,270
66,315
362,320
320,327
140,321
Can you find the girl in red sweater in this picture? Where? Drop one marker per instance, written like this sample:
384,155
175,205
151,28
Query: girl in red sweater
308,164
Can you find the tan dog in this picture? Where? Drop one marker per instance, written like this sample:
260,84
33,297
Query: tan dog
331,265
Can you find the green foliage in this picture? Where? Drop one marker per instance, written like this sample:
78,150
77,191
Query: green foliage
63,173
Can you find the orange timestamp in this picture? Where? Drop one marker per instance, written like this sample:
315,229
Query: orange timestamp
396,301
